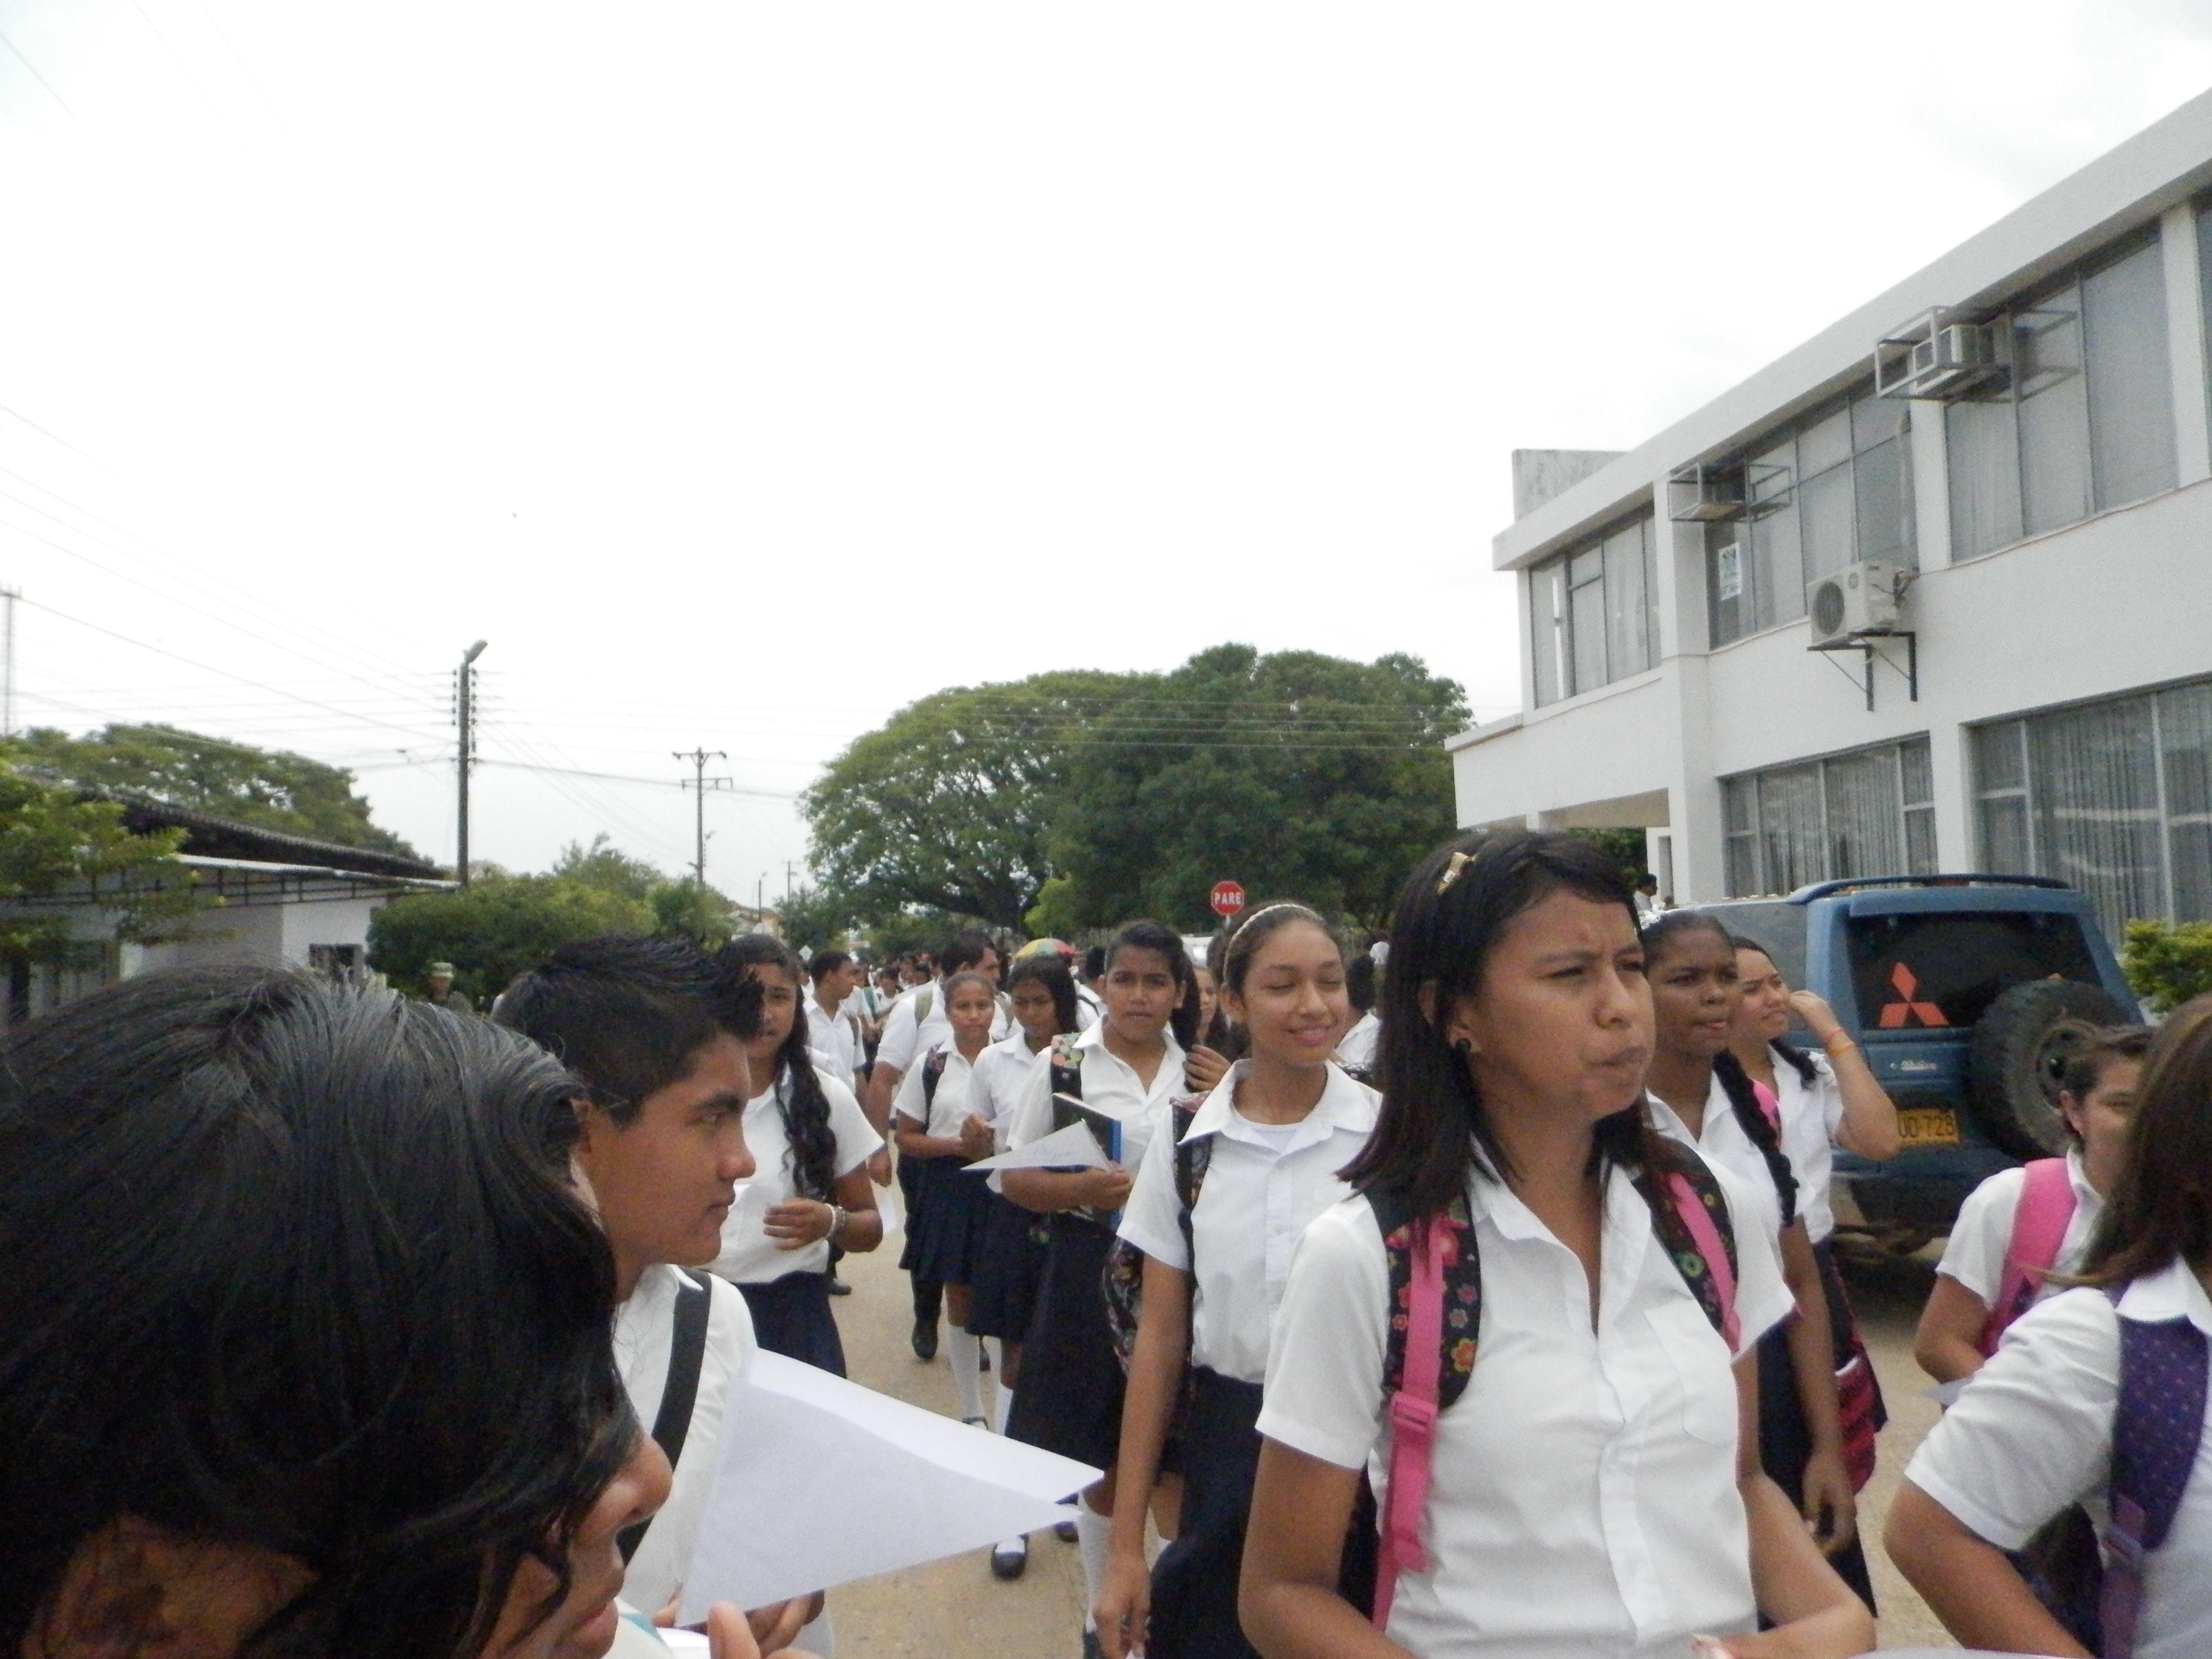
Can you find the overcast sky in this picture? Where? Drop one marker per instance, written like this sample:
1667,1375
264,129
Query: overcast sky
744,372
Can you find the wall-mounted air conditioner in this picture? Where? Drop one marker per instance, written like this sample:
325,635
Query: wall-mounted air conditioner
1704,495
1859,599
1939,357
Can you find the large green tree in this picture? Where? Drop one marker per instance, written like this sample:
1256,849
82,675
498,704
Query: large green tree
54,846
495,927
1295,774
951,805
272,788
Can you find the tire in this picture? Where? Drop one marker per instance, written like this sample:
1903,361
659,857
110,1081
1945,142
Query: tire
2019,1048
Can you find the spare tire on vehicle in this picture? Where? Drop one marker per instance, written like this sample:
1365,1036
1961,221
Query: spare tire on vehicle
2021,1046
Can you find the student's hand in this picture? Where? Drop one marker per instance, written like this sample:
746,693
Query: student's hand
802,1222
729,1637
1831,1508
879,1166
1202,1068
1107,1188
1819,1018
975,1138
1839,1632
1125,1605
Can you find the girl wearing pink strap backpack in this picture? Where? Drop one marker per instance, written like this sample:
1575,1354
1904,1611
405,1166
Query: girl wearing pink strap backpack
2096,1397
1529,1330
2022,1226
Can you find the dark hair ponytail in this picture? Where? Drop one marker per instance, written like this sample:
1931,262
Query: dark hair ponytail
1735,1082
799,1095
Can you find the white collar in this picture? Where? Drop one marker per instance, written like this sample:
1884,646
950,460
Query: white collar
1344,1104
1094,1036
2172,1292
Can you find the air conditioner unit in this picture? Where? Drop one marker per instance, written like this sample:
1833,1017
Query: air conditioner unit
1704,495
1859,599
1939,358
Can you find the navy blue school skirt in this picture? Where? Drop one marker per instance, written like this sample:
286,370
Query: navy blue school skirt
944,1234
791,1318
1002,1296
1194,1580
1070,1397
1785,1446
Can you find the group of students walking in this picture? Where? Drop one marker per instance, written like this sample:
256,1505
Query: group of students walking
1526,1342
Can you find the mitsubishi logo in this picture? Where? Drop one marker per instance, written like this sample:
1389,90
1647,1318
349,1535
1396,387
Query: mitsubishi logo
1906,1009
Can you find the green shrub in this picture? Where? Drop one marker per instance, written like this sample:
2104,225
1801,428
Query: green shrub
2168,963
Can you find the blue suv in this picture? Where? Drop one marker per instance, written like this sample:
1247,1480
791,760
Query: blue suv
1965,993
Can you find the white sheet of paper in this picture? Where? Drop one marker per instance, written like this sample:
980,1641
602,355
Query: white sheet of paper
821,1481
1072,1148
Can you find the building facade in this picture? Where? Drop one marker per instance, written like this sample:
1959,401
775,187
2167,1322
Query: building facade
2010,452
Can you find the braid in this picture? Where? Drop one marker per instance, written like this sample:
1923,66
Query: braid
1800,1061
805,1118
1737,1082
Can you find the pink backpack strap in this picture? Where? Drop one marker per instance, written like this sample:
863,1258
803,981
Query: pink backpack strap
1413,1418
2039,1221
1707,1238
1769,1107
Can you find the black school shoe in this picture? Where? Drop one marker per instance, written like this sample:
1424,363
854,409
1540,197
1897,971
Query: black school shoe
1012,1559
925,1338
838,1287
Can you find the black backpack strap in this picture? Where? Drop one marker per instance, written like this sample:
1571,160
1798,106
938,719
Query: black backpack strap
1192,1158
679,1394
932,1072
1462,1322
1675,1235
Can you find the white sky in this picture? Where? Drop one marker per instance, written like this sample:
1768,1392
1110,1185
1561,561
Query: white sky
743,373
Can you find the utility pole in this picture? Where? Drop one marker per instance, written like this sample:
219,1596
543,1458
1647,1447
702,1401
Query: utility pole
8,598
699,783
789,866
464,716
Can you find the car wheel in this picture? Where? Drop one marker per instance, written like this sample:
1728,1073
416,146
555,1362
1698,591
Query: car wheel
2021,1046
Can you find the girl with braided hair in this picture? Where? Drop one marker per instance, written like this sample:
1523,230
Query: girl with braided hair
1700,1095
812,1144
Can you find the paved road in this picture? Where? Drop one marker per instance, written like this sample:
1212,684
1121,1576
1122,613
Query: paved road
955,1609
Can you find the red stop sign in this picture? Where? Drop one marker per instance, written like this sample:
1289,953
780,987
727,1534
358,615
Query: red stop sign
1228,898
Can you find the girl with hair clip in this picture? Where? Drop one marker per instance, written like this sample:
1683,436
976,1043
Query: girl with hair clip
811,1143
938,1125
1117,1078
1218,1210
2096,1398
1533,1324
1700,1096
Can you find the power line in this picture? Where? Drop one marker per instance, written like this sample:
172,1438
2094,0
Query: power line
66,110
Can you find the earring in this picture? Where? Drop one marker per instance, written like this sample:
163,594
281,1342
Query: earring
1462,1047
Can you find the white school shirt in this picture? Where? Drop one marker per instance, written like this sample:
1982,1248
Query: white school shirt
838,1037
1264,1182
748,1254
904,1037
2033,1432
943,1113
1088,1009
1583,1502
644,1329
1812,1112
1974,1254
1356,1046
1724,1144
1001,1072
1109,1084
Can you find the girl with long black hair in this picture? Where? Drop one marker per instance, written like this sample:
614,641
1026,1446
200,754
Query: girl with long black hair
811,1143
1700,1096
1590,1486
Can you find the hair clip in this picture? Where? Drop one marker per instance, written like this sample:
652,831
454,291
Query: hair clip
1458,862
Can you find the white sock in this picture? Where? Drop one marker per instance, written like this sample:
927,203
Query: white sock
1002,1406
966,1354
1094,1532
818,1637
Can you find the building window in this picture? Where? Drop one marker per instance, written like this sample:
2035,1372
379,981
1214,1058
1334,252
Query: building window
1591,613
1834,488
2114,797
1867,812
2084,422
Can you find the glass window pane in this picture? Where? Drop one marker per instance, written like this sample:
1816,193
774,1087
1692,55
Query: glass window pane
1876,420
2054,414
2131,380
1585,567
1739,812
1773,473
1650,594
1920,842
1884,504
1999,761
1544,642
1984,467
1825,516
1790,827
1586,623
1864,824
1915,773
1626,601
2004,836
2184,738
1824,444
1726,582
2095,786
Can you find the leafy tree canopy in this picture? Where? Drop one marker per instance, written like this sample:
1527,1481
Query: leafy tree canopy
494,928
272,788
51,843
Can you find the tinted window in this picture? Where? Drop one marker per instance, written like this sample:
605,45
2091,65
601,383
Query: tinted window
1914,971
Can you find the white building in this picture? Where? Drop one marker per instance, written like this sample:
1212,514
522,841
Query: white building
2050,494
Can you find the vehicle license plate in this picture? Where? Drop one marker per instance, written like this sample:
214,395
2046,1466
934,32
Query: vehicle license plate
1928,1126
